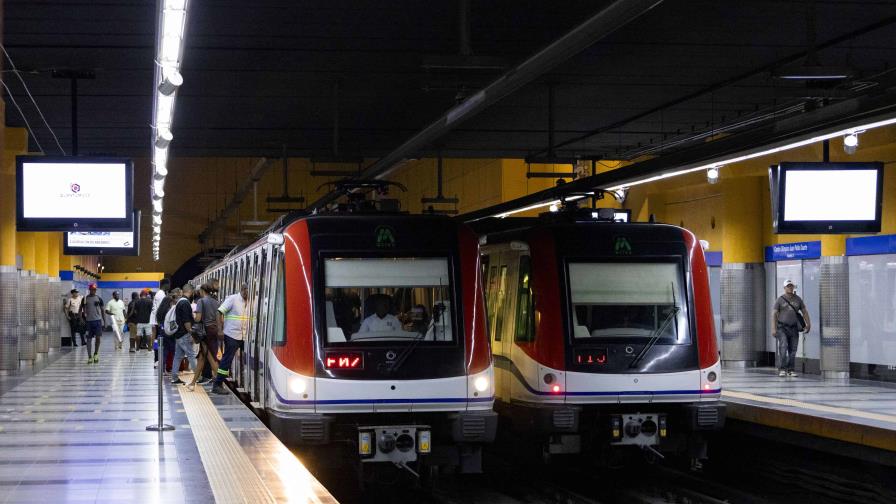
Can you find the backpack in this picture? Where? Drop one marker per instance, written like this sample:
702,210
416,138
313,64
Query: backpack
170,324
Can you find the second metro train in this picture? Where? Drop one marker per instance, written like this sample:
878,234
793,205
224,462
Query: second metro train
602,334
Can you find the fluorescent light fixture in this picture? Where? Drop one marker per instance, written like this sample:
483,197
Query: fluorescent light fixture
163,137
158,187
173,22
160,156
175,4
171,80
526,209
164,110
759,153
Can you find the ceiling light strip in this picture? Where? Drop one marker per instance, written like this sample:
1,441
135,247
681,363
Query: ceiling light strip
170,32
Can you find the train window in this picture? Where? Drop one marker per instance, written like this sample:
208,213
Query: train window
525,319
388,299
498,307
279,300
631,301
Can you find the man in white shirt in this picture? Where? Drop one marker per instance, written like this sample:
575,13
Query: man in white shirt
162,293
381,320
72,310
115,308
233,317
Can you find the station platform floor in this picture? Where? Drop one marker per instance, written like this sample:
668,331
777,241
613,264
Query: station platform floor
856,412
73,432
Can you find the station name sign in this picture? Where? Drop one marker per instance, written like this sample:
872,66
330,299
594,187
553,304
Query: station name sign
790,251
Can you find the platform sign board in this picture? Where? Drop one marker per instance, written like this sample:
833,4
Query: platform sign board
74,194
826,198
121,243
791,251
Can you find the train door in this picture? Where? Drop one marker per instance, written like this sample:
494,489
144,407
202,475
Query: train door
249,343
262,279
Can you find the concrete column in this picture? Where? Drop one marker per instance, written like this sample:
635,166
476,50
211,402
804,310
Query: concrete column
54,300
742,292
41,294
27,335
834,317
9,277
9,334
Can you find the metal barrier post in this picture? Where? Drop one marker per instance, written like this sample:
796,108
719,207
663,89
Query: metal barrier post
160,426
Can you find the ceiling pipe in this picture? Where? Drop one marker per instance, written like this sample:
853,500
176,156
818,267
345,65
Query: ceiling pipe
239,196
602,24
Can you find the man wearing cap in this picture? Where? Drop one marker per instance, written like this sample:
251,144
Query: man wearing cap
142,315
72,310
93,312
789,317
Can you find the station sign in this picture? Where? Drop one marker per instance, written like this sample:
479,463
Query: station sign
792,251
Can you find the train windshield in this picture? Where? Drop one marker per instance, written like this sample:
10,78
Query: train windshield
388,299
628,301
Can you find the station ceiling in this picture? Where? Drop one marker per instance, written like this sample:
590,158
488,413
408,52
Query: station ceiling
348,79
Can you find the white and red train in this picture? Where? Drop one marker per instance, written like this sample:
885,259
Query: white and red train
602,333
368,331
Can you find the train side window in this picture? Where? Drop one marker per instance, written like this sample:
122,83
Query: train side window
279,337
498,310
525,320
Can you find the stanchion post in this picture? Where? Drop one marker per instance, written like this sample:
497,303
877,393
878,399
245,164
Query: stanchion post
160,426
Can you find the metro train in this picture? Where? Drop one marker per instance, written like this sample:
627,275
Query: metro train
368,332
602,334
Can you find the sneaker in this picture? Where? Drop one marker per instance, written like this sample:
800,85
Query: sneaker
96,358
792,373
219,389
203,380
132,351
178,382
90,360
782,373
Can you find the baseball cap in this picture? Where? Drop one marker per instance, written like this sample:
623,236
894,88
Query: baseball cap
789,282
92,286
74,291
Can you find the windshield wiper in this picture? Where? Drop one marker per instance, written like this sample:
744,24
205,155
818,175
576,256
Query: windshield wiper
659,331
409,349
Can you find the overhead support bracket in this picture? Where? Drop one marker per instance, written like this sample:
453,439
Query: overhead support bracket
602,24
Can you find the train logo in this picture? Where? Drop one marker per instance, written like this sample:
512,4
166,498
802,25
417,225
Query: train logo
76,188
622,246
385,237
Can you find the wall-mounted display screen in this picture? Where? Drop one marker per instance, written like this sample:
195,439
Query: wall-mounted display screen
74,194
826,198
123,243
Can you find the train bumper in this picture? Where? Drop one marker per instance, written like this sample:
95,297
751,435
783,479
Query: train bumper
474,426
300,428
705,416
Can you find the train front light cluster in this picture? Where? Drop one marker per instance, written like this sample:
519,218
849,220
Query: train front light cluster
481,384
297,385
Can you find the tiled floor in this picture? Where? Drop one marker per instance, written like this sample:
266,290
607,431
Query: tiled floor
856,401
73,432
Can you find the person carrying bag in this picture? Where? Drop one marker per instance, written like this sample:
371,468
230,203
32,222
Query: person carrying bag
790,317
206,335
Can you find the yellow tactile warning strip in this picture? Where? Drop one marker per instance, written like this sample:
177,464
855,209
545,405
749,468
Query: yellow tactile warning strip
231,475
842,430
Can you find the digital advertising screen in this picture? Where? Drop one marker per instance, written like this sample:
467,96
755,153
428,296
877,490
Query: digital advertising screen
74,194
827,198
122,243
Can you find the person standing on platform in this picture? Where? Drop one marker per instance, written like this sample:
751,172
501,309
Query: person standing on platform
72,310
142,313
166,342
790,317
116,309
183,337
234,319
132,322
206,316
161,295
93,313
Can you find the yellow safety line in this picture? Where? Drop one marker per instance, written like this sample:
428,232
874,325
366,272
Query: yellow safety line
811,406
231,474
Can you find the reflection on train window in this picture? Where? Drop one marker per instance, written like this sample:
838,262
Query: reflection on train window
392,299
628,301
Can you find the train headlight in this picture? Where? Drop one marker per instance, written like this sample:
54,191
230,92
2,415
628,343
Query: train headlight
404,443
297,385
386,443
481,384
711,377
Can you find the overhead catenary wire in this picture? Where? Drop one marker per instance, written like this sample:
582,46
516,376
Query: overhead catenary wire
36,106
27,125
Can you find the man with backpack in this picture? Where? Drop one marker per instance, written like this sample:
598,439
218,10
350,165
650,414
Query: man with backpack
790,317
179,326
155,317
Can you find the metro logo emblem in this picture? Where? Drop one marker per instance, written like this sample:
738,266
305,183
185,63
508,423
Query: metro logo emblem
344,360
